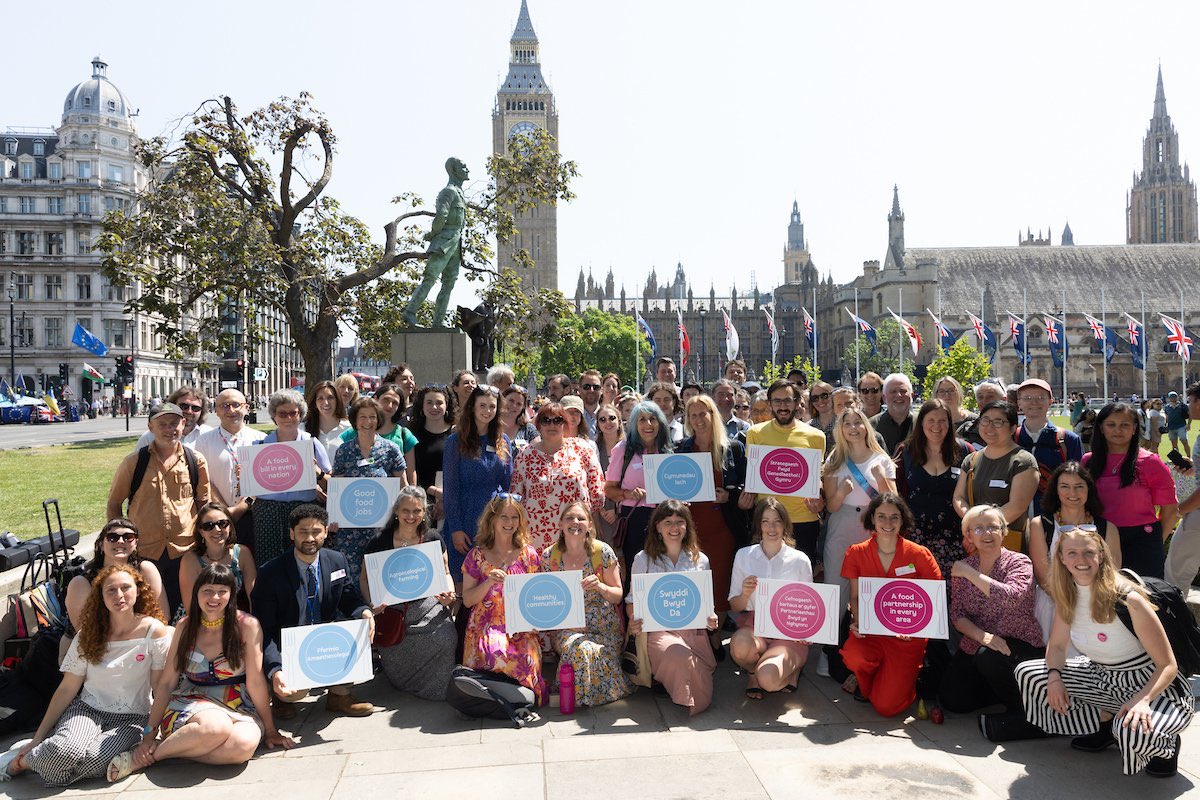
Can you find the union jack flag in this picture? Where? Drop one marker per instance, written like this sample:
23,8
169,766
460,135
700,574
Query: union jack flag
946,335
865,329
1137,342
810,331
1097,327
1016,327
985,335
1056,337
1177,335
1052,330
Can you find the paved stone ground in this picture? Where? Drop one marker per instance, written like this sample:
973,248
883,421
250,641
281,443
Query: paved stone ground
815,743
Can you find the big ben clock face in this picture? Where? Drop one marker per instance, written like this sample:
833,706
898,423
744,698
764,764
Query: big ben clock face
522,128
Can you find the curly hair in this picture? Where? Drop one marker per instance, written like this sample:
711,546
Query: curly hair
96,625
486,537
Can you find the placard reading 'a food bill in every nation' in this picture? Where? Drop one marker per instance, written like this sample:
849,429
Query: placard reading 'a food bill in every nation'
902,607
277,467
544,601
327,655
362,502
687,477
785,471
407,573
802,612
673,601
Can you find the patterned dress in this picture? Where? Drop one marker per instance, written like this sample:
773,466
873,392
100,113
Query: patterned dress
488,645
549,482
208,684
938,528
384,460
595,653
467,486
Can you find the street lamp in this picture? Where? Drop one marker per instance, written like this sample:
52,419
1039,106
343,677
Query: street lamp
12,330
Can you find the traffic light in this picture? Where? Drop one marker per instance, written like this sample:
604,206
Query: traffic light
241,365
119,374
124,370
62,373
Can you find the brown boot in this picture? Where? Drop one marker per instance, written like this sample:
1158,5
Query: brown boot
281,710
348,705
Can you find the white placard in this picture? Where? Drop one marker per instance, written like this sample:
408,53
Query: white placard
362,502
544,601
407,573
796,610
673,601
687,477
902,607
277,467
783,471
328,654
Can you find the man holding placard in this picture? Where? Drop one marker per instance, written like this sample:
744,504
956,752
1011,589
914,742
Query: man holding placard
219,447
310,585
797,449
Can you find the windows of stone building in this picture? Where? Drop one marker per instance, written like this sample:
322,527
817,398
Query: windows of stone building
83,286
54,171
27,171
54,332
83,169
54,287
26,243
24,335
28,205
23,283
55,242
10,147
39,147
83,245
54,205
83,203
115,332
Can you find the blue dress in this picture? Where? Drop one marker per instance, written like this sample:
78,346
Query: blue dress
384,460
467,486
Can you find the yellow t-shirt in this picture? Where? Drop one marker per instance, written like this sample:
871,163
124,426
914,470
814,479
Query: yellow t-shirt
799,435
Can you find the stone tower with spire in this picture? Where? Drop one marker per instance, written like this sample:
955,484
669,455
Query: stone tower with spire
1161,206
895,250
797,261
524,103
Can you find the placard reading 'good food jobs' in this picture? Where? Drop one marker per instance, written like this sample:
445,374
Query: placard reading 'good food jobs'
544,601
687,477
407,573
362,502
802,612
277,467
785,471
327,655
673,601
902,607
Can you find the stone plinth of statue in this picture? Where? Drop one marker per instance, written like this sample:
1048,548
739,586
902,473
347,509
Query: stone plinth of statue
433,354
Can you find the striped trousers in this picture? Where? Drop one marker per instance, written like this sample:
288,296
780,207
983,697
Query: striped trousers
1094,688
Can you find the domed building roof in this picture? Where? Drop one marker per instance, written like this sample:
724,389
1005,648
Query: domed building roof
97,95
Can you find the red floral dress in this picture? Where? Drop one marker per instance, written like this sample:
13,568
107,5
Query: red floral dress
549,482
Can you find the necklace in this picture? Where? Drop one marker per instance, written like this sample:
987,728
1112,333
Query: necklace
212,624
887,552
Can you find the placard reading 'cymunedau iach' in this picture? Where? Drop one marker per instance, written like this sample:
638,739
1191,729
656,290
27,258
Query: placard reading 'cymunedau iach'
902,607
277,467
673,601
407,573
785,471
802,612
687,477
544,601
362,502
327,655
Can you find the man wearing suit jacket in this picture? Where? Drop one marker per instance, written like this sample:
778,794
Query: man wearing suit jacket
306,586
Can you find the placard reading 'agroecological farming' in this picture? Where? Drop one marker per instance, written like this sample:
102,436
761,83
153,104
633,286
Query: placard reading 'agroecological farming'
785,471
277,467
407,573
362,502
673,601
902,607
544,601
327,655
802,612
687,477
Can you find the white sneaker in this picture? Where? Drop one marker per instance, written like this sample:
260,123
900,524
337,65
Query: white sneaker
822,664
9,757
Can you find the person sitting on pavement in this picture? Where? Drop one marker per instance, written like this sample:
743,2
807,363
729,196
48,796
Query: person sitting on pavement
115,544
213,543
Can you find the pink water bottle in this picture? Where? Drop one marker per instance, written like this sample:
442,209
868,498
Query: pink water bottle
566,689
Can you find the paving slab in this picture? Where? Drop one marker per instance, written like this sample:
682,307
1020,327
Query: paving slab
498,779
658,777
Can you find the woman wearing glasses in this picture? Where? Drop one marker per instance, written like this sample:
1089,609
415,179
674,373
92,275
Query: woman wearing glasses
215,543
116,544
288,409
1001,474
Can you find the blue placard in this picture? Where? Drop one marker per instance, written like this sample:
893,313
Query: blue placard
673,601
363,502
408,573
327,655
679,477
545,601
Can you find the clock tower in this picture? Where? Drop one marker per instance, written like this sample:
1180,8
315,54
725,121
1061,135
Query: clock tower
524,102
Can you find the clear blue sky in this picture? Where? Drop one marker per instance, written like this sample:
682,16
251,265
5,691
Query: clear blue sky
694,122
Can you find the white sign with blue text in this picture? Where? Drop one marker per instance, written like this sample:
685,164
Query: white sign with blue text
686,477
673,601
544,601
407,573
362,502
328,654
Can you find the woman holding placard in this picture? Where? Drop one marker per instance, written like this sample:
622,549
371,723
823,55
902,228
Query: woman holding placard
392,405
214,541
885,667
367,455
646,434
1000,474
991,605
422,661
595,651
771,665
681,660
432,421
553,471
501,549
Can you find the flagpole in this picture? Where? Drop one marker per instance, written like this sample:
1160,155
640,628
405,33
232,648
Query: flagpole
857,346
1182,361
1065,348
982,346
813,351
901,290
637,346
1025,338
1104,344
1142,347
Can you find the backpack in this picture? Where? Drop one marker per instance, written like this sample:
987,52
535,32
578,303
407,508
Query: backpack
1176,618
476,693
1060,438
143,461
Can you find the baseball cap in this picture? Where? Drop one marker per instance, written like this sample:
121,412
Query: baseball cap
1036,383
572,401
1172,394
165,408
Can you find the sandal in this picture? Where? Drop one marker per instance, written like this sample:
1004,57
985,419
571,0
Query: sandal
120,767
755,693
850,685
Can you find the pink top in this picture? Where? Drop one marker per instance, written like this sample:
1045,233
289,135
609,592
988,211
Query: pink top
1134,504
634,478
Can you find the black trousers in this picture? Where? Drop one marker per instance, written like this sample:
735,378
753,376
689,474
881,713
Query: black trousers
972,682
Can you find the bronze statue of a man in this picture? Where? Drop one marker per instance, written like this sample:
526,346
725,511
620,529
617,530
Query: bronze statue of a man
445,246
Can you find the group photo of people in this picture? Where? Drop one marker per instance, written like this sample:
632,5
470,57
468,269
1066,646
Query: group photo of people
1050,553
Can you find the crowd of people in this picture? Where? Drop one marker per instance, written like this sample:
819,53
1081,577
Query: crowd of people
175,642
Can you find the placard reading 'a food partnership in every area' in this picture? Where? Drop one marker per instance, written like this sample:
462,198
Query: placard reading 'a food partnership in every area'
902,607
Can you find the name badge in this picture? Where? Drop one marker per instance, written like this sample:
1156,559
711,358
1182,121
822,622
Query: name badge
907,569
955,472
635,466
337,573
489,449
364,462
996,483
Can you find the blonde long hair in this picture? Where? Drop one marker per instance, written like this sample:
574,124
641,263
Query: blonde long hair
841,448
1108,587
486,536
720,439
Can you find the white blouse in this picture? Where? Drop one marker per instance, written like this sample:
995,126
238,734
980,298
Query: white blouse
1104,643
788,564
120,683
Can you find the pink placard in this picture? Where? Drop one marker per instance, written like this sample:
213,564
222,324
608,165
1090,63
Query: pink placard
797,611
783,471
903,607
277,468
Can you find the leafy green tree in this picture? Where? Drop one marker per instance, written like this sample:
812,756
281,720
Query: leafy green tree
525,324
964,363
597,340
235,215
889,341
773,372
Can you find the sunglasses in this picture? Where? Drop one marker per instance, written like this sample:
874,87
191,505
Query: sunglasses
190,407
742,408
874,390
293,414
595,387
606,419
231,406
498,495
114,537
817,398
553,421
214,523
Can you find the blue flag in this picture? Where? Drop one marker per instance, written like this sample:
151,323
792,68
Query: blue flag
985,335
645,328
6,390
946,337
1137,342
84,338
865,329
1056,337
1016,326
1112,343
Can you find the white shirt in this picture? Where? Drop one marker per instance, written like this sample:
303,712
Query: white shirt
219,448
643,565
189,440
858,496
1107,643
332,438
120,683
788,564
